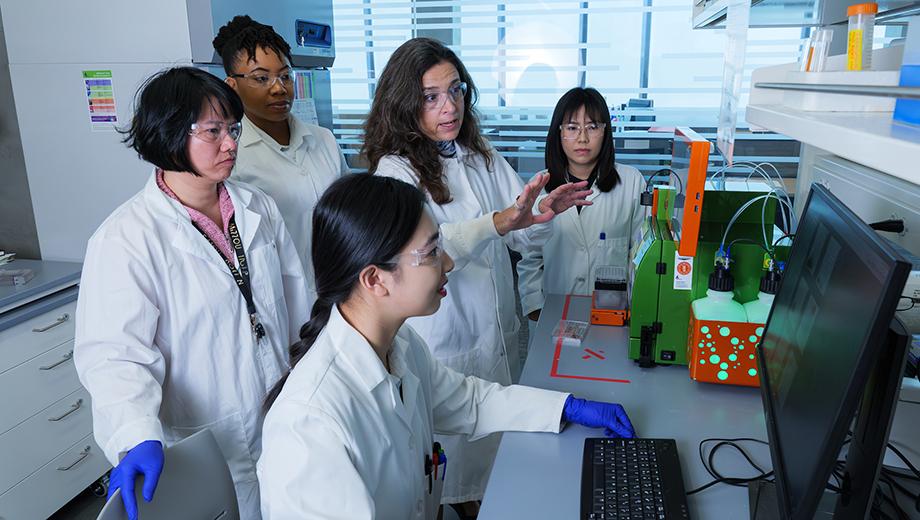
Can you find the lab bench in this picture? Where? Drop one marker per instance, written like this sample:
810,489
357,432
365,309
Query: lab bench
538,475
46,440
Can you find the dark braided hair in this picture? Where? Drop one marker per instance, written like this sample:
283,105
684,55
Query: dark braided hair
243,34
360,220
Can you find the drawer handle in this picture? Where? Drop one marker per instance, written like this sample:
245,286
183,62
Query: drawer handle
83,455
63,318
67,357
73,408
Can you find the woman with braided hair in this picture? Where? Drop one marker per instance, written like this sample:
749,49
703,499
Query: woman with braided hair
350,429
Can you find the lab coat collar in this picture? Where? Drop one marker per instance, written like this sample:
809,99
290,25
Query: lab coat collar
410,383
594,193
186,237
300,134
355,350
367,368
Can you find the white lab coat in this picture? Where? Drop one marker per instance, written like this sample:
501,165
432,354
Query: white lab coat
475,332
567,262
347,440
163,339
295,176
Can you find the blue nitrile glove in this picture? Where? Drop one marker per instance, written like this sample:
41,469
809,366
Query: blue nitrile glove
144,459
610,416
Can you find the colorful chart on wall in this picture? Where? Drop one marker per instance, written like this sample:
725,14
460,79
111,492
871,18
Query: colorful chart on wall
100,100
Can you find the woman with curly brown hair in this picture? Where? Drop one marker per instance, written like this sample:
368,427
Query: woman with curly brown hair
423,129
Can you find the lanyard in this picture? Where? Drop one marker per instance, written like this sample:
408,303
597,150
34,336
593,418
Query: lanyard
241,275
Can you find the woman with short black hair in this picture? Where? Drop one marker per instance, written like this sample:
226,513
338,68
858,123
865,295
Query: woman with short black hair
191,292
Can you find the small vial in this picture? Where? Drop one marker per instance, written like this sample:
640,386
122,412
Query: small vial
814,52
859,35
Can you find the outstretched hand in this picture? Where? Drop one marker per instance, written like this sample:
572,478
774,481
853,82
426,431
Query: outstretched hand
520,214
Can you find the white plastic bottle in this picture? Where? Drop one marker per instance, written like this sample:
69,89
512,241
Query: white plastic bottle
758,310
719,302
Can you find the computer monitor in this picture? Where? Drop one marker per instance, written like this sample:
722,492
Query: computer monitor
829,330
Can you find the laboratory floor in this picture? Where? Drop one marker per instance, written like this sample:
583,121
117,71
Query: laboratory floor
85,506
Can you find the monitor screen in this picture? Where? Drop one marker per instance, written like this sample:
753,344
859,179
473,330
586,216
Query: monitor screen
836,301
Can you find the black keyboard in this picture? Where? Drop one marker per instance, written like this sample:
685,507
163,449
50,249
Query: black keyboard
632,479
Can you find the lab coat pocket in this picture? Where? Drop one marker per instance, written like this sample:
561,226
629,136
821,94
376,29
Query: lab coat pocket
265,273
433,500
233,443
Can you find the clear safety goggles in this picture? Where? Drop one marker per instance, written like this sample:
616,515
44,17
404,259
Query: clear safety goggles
214,132
436,100
571,131
428,256
264,80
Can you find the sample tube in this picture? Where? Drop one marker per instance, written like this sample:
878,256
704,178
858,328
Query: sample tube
859,35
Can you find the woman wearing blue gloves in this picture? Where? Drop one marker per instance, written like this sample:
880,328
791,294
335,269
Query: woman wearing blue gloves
191,292
349,433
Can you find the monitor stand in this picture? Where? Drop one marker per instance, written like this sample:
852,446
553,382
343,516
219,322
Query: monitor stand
763,505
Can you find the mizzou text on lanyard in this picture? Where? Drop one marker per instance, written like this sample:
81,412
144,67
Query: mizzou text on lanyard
241,275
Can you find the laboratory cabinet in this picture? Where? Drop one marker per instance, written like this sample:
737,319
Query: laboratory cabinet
46,428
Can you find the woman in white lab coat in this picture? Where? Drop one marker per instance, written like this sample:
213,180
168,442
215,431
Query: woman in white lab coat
423,129
169,339
350,434
291,160
579,147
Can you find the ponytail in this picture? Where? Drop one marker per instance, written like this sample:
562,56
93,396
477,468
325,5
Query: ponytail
310,330
360,220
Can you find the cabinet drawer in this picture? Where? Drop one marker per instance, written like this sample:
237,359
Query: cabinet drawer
35,336
55,483
36,384
31,444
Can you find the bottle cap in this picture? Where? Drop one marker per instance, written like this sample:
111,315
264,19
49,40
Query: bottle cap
866,8
721,280
769,283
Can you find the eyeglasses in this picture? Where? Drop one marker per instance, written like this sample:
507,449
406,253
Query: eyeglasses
436,100
571,131
428,256
216,131
265,81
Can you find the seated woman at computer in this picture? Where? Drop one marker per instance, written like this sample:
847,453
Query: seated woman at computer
350,428
579,147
